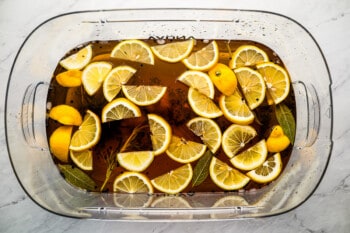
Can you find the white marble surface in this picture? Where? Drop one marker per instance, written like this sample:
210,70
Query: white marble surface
326,211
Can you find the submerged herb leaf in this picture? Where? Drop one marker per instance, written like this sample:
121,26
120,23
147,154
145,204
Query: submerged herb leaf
201,170
77,177
286,119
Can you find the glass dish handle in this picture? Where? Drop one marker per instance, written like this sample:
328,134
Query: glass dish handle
33,115
308,106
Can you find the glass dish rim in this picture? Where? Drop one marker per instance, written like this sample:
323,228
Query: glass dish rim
173,9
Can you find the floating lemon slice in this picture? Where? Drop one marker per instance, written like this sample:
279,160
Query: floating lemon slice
236,137
252,157
93,76
207,130
175,180
276,79
252,85
225,176
88,133
199,81
77,60
223,78
132,182
59,142
161,133
136,161
202,105
115,79
133,50
144,95
173,52
268,171
204,58
184,151
66,115
248,55
69,78
235,109
83,159
118,109
232,202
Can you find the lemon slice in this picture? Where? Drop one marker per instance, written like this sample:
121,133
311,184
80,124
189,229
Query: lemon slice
184,151
204,58
223,78
132,182
115,79
173,52
251,158
133,50
59,142
83,159
69,78
202,105
175,180
236,137
136,161
207,130
276,79
77,60
88,133
199,81
248,55
66,115
144,95
235,109
93,76
118,109
268,171
161,133
225,176
252,85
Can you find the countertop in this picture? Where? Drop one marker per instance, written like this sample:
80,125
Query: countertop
327,210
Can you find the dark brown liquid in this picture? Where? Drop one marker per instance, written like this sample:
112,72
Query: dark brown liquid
173,107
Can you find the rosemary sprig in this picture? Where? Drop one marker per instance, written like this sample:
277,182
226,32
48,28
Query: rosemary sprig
112,157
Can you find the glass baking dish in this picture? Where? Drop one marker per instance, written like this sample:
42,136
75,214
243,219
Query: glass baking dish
25,112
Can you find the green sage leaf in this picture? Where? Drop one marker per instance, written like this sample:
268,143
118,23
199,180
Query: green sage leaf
201,170
286,119
77,177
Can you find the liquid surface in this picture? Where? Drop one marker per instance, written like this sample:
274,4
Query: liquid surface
173,107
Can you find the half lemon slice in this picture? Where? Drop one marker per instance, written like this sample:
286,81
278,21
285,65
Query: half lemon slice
204,58
173,52
175,180
225,176
248,55
133,50
77,60
88,133
268,171
118,109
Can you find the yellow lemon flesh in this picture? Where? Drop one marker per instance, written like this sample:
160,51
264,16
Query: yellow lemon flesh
132,182
66,115
59,142
78,60
69,78
277,141
173,52
225,176
268,171
175,180
223,78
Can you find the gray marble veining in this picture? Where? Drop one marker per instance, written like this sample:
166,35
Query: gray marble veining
327,210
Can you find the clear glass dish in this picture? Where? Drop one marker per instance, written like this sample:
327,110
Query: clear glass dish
38,56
